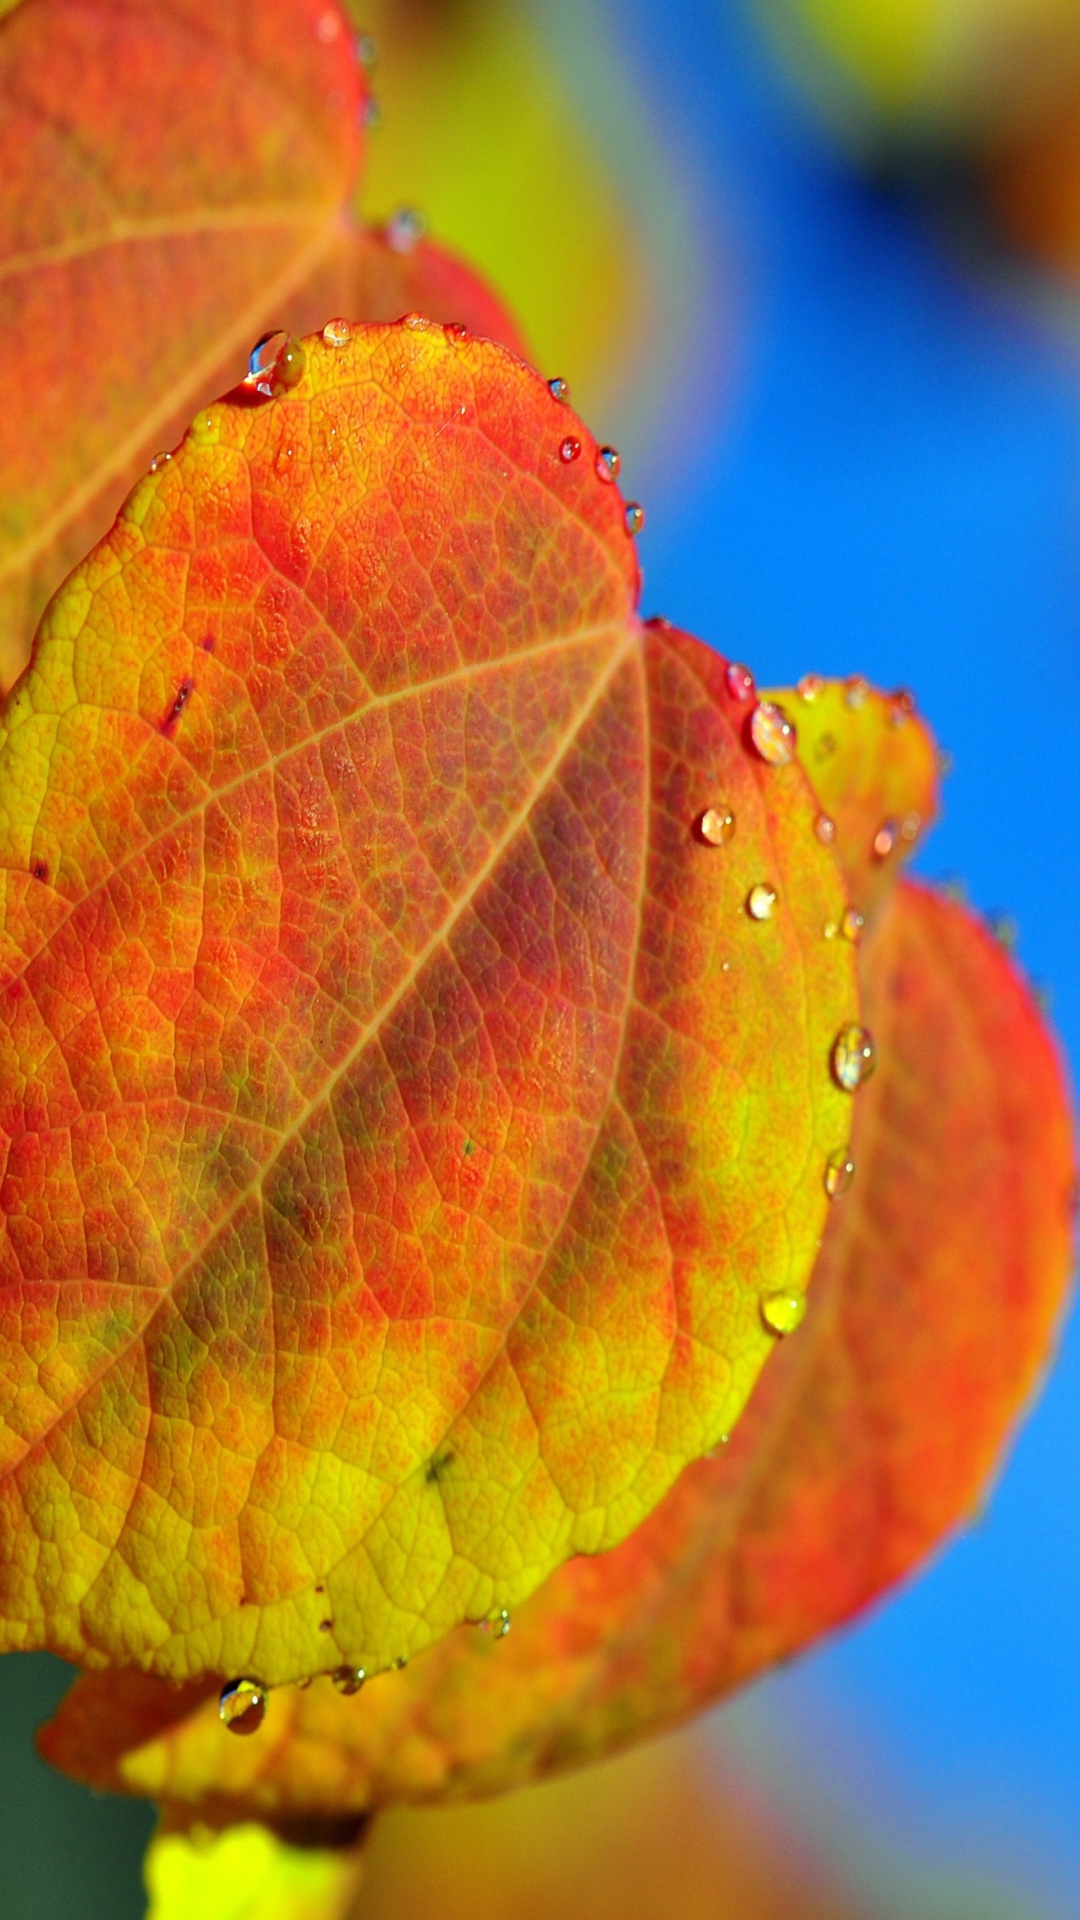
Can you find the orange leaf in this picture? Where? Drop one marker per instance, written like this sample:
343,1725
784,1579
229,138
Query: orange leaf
415,1127
874,770
171,172
870,1435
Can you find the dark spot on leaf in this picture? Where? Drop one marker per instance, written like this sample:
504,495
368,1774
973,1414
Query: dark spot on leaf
325,1626
437,1466
183,694
40,870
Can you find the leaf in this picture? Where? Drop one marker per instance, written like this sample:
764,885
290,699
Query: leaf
171,172
247,1874
406,1117
874,770
868,1438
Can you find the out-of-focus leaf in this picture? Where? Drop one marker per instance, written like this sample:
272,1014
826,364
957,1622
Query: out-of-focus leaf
412,1120
1035,188
870,1435
248,1874
874,769
479,132
172,173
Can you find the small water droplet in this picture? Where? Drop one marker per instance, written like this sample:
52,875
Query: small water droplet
348,1679
825,828
783,1312
405,229
608,463
367,51
716,825
1004,929
499,1624
401,1661
634,516
884,839
242,1705
371,114
328,27
337,333
901,706
909,827
417,322
772,734
856,690
831,929
159,460
810,686
326,1626
570,449
559,389
761,902
853,1057
851,925
839,1173
455,331
740,682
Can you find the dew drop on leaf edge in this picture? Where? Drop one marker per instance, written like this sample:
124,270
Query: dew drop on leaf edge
839,1173
337,333
772,734
853,1057
783,1312
608,464
739,681
242,1706
348,1680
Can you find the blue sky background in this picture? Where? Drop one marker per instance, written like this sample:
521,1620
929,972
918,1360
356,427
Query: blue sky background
892,485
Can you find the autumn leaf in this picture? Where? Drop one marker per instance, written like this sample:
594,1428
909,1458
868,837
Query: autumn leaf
177,178
417,1114
248,1874
870,1435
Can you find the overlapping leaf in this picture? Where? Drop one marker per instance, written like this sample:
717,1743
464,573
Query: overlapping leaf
868,1437
406,1117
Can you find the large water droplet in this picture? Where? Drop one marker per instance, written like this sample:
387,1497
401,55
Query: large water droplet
570,449
159,460
348,1679
853,1057
608,463
242,1705
559,388
839,1173
810,686
739,682
634,516
262,360
783,1312
290,367
337,333
761,902
405,229
716,825
825,828
884,839
772,734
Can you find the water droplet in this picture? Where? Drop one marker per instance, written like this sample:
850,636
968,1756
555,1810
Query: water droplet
839,1173
499,1624
856,690
853,1057
348,1679
367,51
328,27
901,706
716,825
884,839
634,516
455,331
325,1626
608,463
783,1312
851,925
559,389
909,827
761,902
159,460
337,333
740,682
417,322
1004,929
772,734
371,114
401,1661
404,230
810,686
831,929
825,828
570,449
242,1705
263,359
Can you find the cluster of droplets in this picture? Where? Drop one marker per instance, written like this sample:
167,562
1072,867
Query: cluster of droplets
606,460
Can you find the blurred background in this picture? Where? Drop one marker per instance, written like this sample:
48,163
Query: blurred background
814,265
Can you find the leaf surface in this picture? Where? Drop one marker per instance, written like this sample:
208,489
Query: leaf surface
173,171
870,1435
405,1116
